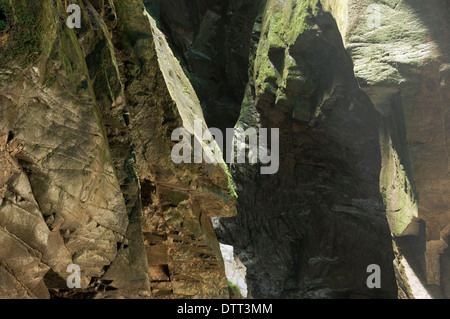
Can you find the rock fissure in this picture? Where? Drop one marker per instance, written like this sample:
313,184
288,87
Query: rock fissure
358,90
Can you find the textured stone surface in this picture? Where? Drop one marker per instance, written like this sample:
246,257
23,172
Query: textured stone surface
212,39
359,90
87,178
403,66
312,229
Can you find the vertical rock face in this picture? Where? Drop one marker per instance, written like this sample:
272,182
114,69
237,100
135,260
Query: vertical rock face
86,117
360,93
212,39
401,55
312,229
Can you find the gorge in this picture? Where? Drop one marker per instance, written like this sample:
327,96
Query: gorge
359,91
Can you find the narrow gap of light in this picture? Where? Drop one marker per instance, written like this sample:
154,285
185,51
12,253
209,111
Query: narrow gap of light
418,289
235,271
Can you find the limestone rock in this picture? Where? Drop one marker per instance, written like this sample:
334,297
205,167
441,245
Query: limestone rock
212,41
312,229
359,90
87,178
400,51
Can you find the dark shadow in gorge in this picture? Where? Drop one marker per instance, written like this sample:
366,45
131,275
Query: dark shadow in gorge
311,230
211,39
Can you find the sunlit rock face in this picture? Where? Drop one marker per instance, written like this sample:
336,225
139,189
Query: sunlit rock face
401,56
235,270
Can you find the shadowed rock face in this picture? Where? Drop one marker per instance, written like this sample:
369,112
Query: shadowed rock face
212,39
312,229
400,56
87,177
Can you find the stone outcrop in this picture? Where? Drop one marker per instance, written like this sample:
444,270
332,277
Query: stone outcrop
86,122
312,229
401,56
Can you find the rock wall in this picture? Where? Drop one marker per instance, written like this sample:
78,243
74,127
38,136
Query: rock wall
86,122
212,41
400,57
312,229
401,60
358,89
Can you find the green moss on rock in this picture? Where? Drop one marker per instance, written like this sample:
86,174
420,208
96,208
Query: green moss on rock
24,40
282,25
235,292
